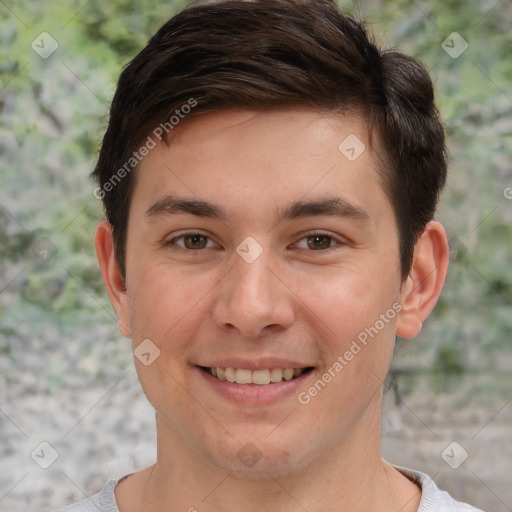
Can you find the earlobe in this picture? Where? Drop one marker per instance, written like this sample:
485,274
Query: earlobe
112,277
426,279
123,330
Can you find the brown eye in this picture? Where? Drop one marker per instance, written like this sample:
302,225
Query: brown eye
191,242
195,241
319,241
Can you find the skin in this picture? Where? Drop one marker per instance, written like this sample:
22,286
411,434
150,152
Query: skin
295,301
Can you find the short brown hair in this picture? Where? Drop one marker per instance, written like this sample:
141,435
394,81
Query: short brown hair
267,54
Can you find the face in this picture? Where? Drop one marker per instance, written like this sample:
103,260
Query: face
255,246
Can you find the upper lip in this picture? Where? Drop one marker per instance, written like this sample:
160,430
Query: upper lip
254,364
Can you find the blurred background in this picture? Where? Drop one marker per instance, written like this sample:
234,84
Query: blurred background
67,378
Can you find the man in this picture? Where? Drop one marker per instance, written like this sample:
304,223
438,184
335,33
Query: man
270,178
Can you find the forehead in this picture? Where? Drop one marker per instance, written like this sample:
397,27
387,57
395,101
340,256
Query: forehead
264,159
287,133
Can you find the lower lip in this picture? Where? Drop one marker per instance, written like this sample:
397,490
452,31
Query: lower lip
255,394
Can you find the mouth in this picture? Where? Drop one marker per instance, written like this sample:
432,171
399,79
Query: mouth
262,377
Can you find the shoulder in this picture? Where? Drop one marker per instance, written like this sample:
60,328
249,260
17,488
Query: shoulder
434,499
104,501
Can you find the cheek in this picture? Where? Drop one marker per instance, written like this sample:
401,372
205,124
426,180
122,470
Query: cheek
344,304
165,296
355,322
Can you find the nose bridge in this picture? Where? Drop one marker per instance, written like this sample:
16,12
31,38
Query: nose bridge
251,297
254,283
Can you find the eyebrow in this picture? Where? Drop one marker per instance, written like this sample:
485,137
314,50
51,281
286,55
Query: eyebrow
329,206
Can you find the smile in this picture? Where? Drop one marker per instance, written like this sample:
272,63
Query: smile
261,377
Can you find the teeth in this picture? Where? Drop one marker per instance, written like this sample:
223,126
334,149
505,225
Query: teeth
276,375
259,377
288,374
243,376
230,374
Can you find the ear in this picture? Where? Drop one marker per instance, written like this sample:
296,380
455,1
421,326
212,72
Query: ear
426,279
112,276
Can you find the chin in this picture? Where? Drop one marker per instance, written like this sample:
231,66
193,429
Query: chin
258,457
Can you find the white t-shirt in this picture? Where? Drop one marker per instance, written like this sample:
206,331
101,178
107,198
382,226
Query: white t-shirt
433,499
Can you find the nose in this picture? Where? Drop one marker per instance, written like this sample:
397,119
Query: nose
253,299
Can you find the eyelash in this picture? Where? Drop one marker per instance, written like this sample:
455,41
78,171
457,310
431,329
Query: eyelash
305,236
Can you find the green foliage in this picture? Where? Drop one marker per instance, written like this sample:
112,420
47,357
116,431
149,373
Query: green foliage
54,111
474,95
448,367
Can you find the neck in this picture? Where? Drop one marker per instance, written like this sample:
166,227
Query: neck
350,477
